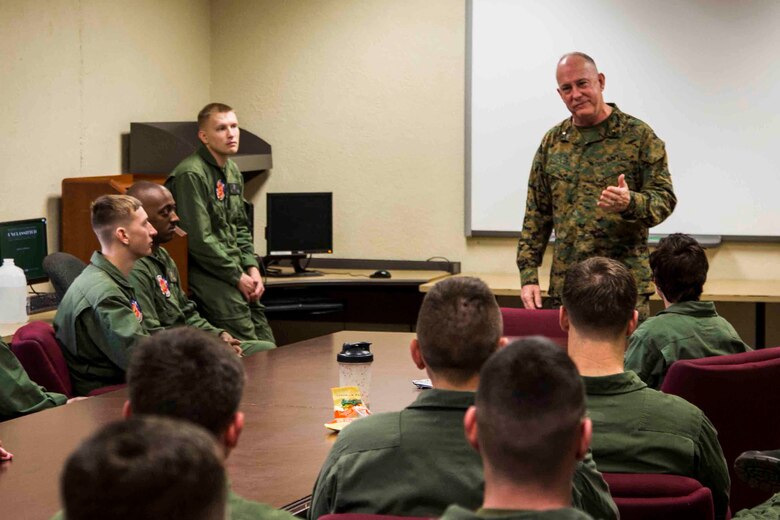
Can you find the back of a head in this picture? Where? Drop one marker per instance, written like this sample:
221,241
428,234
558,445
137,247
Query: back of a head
188,374
458,327
530,404
679,268
111,211
145,467
211,108
599,295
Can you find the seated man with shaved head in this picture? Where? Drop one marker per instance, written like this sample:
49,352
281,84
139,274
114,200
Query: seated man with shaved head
156,279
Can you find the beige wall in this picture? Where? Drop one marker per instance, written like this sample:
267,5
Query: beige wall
75,73
366,99
362,98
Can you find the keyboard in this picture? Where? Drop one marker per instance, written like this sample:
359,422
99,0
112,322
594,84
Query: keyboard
42,302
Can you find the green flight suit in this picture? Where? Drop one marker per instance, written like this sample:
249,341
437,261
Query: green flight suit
769,510
210,203
687,330
18,394
640,430
570,170
416,462
456,512
238,508
155,279
242,509
97,323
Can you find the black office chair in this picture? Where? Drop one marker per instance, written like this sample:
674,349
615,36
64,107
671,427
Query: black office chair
62,269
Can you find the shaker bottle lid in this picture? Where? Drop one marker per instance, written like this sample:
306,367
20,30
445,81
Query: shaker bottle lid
359,352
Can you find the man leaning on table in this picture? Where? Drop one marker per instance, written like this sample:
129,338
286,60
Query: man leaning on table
209,192
417,462
99,320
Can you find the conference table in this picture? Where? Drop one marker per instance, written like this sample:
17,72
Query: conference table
286,401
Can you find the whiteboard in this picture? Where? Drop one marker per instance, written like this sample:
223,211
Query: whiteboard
704,74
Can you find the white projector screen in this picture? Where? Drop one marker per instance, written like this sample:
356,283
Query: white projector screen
704,74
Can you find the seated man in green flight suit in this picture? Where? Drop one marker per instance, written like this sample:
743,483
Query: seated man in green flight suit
99,320
186,373
155,278
687,328
146,467
528,423
224,274
635,429
417,462
18,394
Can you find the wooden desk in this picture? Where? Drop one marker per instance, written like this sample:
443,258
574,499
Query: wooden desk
353,301
286,402
759,292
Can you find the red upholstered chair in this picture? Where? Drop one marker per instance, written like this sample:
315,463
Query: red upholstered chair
39,353
361,516
668,497
740,394
532,322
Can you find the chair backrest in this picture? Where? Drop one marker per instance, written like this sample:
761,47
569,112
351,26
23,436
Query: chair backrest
649,497
38,351
62,269
739,394
532,322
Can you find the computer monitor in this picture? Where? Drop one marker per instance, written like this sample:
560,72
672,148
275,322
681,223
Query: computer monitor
297,225
25,242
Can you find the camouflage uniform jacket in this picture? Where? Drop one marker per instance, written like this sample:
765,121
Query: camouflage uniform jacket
570,170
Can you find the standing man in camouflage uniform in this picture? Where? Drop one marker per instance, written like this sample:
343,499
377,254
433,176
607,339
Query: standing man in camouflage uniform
209,192
601,180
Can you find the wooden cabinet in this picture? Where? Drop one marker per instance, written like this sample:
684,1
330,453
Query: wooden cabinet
78,238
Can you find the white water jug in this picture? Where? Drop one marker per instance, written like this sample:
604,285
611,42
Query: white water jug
13,293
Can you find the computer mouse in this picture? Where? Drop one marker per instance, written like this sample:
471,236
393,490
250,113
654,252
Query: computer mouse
381,274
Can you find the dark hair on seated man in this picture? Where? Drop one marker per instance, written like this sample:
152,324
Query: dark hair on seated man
458,327
679,268
145,467
528,423
599,296
189,374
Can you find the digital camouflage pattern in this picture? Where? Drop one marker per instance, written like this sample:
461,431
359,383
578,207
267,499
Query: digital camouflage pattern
769,510
570,170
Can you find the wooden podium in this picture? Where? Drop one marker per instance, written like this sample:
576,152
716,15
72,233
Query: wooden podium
78,238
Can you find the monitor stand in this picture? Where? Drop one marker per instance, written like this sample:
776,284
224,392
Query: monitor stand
298,269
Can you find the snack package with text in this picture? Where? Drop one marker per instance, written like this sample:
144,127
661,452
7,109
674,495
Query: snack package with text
347,406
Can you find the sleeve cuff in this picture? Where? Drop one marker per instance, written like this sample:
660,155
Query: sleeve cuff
529,276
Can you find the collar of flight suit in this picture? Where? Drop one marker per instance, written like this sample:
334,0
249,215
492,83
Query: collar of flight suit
613,384
435,398
692,308
104,264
